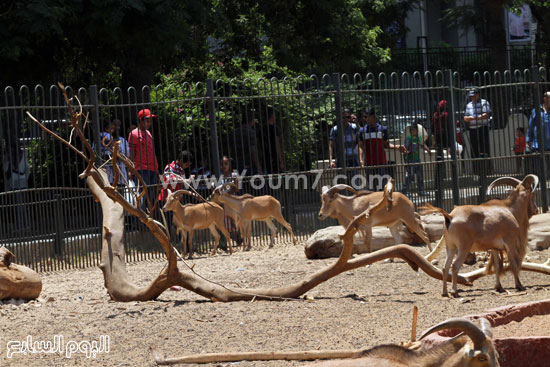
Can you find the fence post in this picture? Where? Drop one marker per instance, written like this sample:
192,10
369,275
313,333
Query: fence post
96,125
59,228
341,157
451,126
452,143
214,151
540,139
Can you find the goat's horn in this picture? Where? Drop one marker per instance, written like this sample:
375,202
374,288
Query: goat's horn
502,181
486,327
531,180
388,189
181,192
466,326
324,190
334,189
218,188
231,184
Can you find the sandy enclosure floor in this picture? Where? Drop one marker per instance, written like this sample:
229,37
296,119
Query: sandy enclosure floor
360,308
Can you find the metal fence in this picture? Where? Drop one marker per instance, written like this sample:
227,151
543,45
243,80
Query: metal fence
50,221
465,60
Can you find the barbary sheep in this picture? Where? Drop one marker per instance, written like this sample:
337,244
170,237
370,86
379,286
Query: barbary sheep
472,348
345,208
245,208
495,226
189,217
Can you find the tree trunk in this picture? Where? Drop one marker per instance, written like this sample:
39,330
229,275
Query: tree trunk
17,281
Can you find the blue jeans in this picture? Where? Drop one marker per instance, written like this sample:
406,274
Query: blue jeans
411,171
151,179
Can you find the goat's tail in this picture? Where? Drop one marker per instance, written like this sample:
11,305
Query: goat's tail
429,208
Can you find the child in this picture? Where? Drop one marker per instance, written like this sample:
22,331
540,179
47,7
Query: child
413,143
519,146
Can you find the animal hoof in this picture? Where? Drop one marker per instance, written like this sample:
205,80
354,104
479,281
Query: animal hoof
499,289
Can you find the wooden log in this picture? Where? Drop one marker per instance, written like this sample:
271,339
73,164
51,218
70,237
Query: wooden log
17,281
307,355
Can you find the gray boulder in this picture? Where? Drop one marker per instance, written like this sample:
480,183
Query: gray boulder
326,242
539,232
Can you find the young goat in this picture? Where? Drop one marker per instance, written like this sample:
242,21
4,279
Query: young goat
246,208
495,226
345,208
189,217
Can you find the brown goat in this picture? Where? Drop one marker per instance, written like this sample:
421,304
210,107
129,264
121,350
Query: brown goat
495,226
456,352
189,217
345,208
246,208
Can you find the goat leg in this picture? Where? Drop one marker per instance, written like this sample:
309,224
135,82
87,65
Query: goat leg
190,244
273,231
496,260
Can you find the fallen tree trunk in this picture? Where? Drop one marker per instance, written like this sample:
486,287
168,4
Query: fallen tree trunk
17,281
307,355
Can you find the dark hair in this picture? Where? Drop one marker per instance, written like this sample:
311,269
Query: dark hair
186,157
521,130
413,126
369,111
107,123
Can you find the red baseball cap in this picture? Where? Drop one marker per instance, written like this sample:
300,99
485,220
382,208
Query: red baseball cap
145,113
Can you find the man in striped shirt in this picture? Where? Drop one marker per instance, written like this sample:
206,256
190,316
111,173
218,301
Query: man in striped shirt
373,140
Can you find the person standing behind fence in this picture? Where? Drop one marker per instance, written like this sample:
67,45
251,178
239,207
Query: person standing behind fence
106,143
142,151
413,143
175,174
373,140
440,127
123,149
351,133
477,116
519,147
271,141
532,138
245,148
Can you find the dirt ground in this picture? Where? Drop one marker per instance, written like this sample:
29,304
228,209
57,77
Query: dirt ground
360,308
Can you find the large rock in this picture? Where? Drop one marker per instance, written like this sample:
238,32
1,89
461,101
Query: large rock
539,232
326,242
433,225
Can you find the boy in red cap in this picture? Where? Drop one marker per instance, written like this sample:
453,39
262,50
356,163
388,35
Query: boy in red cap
142,152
